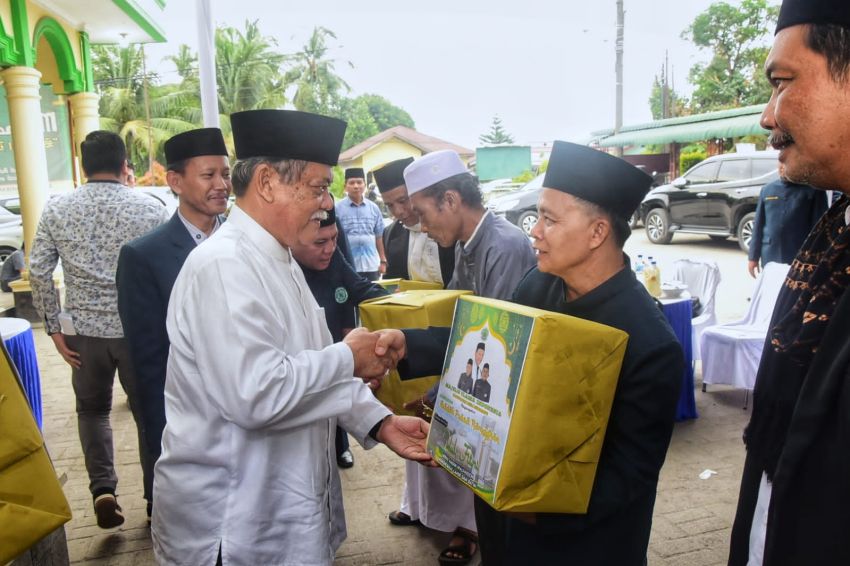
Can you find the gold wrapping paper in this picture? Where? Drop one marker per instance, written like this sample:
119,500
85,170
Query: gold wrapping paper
408,309
530,442
32,504
401,285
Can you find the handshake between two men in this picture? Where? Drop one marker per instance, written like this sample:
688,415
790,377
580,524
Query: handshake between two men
375,354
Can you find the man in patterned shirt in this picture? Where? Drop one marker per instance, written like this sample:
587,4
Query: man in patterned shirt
85,229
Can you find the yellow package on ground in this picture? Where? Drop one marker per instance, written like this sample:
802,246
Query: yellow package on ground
401,285
32,504
523,425
409,309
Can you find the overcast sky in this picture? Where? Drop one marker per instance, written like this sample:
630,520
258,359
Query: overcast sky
546,67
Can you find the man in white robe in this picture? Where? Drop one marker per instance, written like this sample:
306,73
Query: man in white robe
254,384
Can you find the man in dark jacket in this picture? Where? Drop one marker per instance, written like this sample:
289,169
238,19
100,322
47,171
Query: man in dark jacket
464,383
410,253
338,289
785,215
794,504
585,205
199,173
481,387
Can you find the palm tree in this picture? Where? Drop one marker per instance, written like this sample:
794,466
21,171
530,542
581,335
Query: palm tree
186,62
248,70
119,79
117,67
317,85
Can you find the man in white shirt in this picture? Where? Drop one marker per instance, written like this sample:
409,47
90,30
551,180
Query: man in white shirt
254,385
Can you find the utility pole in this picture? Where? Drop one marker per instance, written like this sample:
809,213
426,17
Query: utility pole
147,110
663,93
618,119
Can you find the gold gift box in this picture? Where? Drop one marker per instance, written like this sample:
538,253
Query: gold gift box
400,285
32,504
408,309
532,442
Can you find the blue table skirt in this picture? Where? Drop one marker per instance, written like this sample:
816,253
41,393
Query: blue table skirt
679,316
21,350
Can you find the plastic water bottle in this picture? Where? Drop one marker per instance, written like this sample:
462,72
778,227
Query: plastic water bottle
639,265
652,279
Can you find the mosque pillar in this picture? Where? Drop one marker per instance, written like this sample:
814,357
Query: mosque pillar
84,116
22,92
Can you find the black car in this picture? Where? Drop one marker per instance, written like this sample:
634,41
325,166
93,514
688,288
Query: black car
520,206
716,197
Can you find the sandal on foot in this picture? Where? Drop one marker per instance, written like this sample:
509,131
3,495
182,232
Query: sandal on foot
464,551
400,519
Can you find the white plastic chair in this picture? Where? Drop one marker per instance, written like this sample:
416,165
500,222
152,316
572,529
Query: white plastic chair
702,276
731,352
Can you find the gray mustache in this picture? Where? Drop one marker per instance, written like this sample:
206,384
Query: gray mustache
779,139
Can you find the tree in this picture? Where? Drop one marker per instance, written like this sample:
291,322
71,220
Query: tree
385,114
736,37
317,86
186,62
497,135
118,67
248,70
120,81
361,124
666,106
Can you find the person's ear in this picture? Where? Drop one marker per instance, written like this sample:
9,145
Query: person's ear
600,231
452,200
265,178
173,178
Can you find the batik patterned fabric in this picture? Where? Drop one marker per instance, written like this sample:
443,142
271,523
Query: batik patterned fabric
818,276
86,229
816,281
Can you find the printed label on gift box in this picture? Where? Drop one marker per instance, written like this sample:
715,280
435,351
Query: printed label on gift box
478,389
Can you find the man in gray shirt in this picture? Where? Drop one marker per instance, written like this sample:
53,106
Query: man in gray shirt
85,229
11,270
491,254
491,257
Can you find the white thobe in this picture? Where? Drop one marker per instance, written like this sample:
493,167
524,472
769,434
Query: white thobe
252,393
437,499
758,530
423,256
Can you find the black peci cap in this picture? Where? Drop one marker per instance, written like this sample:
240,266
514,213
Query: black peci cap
597,177
194,143
287,134
797,12
391,175
355,173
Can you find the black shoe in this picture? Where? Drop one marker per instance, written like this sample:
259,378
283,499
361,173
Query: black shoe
108,511
345,460
401,519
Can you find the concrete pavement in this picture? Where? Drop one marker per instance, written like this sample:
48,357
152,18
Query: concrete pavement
692,516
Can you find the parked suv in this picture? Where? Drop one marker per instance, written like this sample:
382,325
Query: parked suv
520,206
716,197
